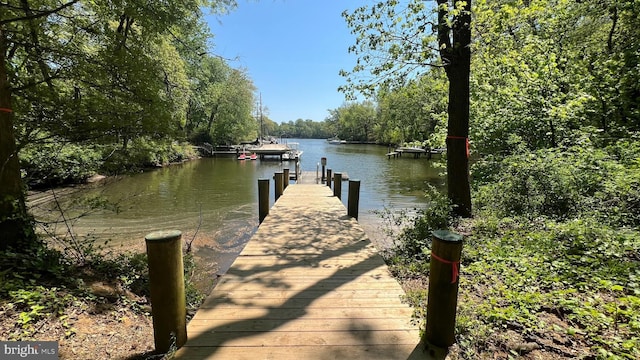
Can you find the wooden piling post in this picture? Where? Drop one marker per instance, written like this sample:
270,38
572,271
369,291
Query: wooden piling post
285,174
279,184
263,199
446,249
329,178
337,185
297,169
354,198
323,161
166,285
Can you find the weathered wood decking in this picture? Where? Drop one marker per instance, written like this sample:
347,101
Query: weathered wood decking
308,285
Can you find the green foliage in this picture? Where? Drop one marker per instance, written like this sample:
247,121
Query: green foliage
92,77
393,42
412,234
580,181
552,251
129,270
354,121
302,129
37,302
194,296
57,163
415,111
579,271
146,153
42,284
549,71
220,108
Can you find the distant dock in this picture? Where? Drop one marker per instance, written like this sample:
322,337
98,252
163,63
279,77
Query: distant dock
417,152
277,150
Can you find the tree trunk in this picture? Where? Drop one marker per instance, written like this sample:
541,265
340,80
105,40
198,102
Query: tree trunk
458,186
15,226
455,51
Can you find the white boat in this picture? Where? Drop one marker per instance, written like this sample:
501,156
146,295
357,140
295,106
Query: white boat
294,152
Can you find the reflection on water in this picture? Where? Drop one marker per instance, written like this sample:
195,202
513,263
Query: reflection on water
217,197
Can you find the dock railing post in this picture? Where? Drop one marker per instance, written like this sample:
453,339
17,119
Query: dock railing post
279,188
354,198
329,177
297,170
323,161
285,174
337,185
444,269
166,285
263,199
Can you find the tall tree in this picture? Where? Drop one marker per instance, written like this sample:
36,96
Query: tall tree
355,121
414,112
398,41
454,44
14,223
85,70
19,27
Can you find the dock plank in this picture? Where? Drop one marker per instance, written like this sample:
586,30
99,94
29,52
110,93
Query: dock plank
308,285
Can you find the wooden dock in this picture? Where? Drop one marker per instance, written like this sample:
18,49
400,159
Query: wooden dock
308,285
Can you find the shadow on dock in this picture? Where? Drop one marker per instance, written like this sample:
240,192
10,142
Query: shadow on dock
309,285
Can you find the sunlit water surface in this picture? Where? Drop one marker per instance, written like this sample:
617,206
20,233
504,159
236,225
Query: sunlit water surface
215,202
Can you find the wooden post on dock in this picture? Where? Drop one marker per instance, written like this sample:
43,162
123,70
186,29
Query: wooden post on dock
323,161
337,185
297,169
285,174
279,184
263,199
444,269
329,177
353,201
166,285
354,198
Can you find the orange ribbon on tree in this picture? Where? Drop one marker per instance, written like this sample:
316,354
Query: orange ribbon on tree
461,138
6,110
455,267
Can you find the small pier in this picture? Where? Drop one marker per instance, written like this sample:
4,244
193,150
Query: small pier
277,150
417,152
308,285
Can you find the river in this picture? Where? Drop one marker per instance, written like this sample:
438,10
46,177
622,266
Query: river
214,200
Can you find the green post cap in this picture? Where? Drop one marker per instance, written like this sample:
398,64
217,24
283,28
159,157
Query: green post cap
446,235
164,235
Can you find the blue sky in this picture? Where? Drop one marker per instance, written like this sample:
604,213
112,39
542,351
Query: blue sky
292,50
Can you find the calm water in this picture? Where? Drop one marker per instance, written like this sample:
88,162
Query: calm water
218,196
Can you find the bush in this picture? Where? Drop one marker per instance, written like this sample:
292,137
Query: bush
57,163
412,243
560,184
144,153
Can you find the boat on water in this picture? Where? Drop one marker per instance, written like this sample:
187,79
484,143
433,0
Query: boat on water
243,156
294,152
336,141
